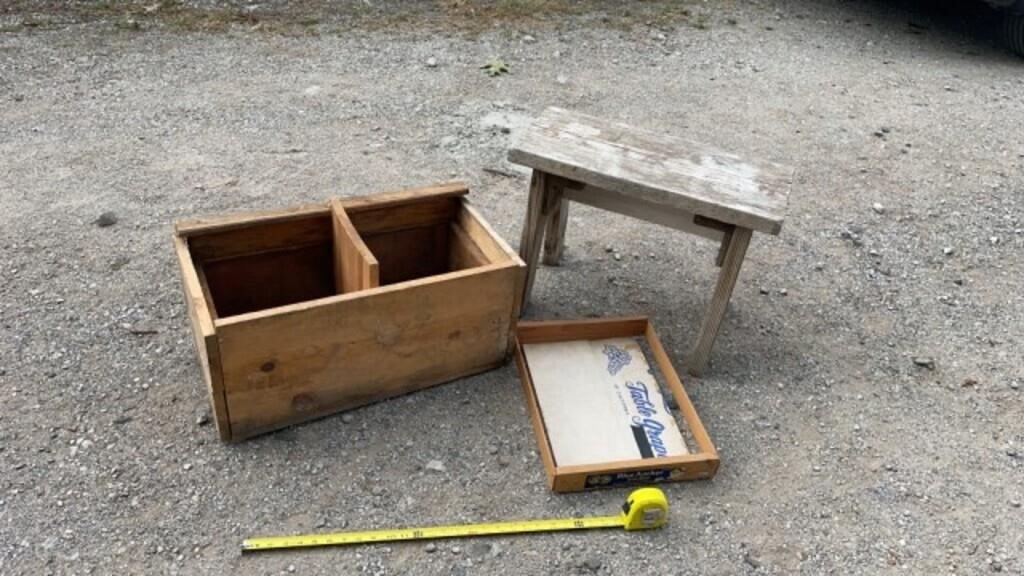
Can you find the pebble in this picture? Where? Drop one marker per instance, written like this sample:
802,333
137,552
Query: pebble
119,263
480,549
925,362
106,219
492,449
456,550
187,466
562,79
764,290
141,328
203,419
435,466
430,548
783,292
347,418
948,251
1015,503
591,564
1014,385
878,208
528,38
122,420
291,567
431,62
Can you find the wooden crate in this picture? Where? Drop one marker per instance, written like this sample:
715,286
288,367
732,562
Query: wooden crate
305,312
701,462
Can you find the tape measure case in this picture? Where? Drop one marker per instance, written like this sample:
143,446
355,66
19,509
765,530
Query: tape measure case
600,415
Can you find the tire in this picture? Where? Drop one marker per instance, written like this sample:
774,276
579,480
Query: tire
1013,33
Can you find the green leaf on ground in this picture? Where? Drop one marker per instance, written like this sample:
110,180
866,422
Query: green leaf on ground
496,67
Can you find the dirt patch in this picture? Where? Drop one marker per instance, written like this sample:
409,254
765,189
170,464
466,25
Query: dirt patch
329,17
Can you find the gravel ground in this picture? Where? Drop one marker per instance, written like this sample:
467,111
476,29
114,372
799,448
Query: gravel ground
865,393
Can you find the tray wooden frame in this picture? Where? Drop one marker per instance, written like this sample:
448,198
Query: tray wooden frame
701,464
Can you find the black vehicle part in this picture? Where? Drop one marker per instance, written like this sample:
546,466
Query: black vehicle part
1013,32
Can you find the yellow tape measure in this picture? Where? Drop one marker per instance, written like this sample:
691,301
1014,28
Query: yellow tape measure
644,509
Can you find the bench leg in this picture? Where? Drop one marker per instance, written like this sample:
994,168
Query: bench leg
554,237
533,230
731,262
726,241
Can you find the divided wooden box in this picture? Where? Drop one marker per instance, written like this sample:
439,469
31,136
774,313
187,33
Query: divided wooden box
599,415
301,313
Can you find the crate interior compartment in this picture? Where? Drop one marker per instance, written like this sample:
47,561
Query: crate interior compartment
429,238
265,264
269,264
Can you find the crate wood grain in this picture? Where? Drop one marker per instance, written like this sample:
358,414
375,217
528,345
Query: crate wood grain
294,326
701,463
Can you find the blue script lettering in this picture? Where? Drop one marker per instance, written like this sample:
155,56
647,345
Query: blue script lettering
617,358
653,430
641,398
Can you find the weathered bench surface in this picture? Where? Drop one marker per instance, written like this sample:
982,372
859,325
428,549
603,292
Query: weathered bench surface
658,169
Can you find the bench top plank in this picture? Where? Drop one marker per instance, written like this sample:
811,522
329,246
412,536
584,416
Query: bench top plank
663,170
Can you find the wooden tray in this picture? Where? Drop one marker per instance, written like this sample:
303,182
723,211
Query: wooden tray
609,425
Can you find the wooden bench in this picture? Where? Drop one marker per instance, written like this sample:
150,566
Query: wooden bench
660,179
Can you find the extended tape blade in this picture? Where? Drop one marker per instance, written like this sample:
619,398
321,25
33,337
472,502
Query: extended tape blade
428,533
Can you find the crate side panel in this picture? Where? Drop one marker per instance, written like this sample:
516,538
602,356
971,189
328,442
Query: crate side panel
259,236
269,279
486,239
287,368
463,251
371,219
204,336
411,253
